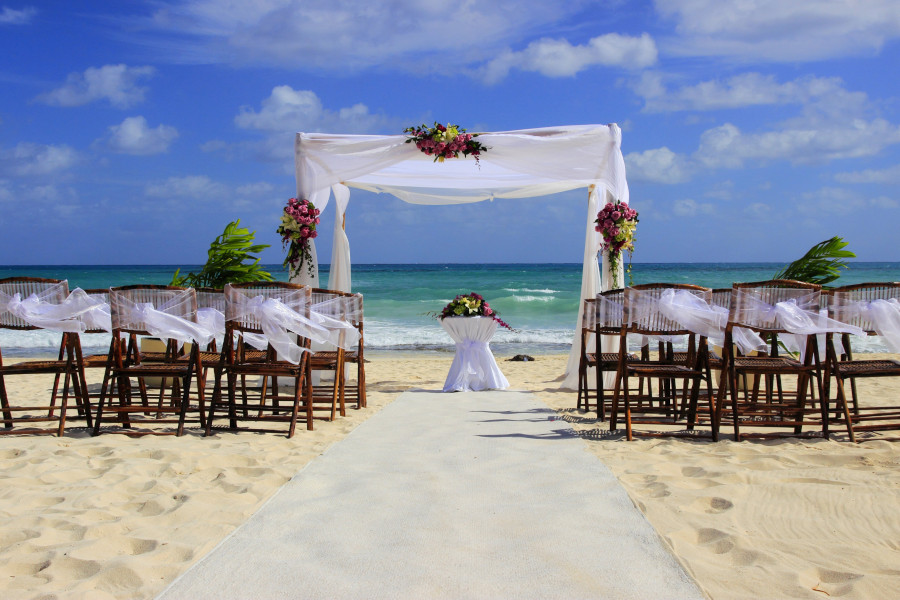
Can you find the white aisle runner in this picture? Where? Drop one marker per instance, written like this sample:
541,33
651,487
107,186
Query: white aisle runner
465,495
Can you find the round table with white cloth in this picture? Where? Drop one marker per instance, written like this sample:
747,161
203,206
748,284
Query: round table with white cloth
474,367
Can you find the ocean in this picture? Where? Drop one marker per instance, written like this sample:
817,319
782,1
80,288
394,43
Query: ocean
539,300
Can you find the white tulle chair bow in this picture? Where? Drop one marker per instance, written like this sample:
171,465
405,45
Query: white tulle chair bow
43,309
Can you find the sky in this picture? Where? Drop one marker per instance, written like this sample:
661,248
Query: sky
133,131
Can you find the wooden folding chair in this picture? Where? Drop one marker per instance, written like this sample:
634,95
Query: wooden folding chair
244,314
862,305
753,307
343,307
128,369
51,291
643,317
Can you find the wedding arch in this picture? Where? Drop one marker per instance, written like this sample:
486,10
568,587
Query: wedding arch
518,164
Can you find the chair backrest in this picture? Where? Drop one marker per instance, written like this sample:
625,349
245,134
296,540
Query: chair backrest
752,304
54,291
294,296
721,297
211,298
101,294
642,314
604,314
843,302
176,301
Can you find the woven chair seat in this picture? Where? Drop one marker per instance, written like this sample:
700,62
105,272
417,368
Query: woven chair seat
611,358
861,368
764,364
38,366
658,370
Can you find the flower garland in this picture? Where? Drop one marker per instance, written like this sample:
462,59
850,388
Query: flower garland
444,141
472,305
616,222
298,226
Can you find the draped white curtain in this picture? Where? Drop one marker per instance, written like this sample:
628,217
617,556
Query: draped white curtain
517,164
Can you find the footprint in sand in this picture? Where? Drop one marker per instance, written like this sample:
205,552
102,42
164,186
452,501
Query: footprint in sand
711,505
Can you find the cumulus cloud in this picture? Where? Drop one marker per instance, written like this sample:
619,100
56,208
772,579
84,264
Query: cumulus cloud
691,208
193,187
290,110
801,141
134,136
779,31
27,159
659,165
559,58
11,16
409,35
839,201
889,175
747,89
118,84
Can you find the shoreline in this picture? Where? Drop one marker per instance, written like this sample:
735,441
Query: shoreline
116,517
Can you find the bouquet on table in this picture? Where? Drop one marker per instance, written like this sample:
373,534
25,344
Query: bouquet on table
444,141
616,222
471,305
298,226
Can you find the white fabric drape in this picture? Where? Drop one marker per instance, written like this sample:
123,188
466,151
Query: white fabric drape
473,367
339,273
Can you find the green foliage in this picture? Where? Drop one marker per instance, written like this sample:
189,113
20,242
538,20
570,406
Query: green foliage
821,265
226,261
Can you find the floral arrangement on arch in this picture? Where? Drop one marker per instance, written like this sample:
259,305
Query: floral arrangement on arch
616,222
471,305
444,141
297,228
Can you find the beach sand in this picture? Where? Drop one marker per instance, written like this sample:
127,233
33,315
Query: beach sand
120,517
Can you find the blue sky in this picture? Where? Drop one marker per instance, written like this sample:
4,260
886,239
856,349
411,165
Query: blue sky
134,131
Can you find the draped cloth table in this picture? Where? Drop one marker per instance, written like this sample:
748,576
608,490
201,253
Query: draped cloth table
474,367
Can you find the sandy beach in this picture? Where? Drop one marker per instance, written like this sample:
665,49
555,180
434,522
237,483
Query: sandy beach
117,517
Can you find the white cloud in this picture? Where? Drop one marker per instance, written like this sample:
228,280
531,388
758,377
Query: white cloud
290,110
779,30
194,187
801,141
409,35
659,165
748,89
114,83
841,202
889,175
11,16
691,208
134,136
258,189
559,58
27,159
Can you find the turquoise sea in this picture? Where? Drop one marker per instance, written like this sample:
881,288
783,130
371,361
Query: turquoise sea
539,300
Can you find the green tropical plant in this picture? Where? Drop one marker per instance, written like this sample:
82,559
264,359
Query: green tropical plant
226,262
822,264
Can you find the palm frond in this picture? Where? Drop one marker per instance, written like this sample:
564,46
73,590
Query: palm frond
822,264
226,261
